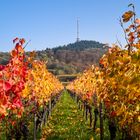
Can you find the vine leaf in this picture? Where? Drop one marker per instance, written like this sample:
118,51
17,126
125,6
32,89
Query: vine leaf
127,16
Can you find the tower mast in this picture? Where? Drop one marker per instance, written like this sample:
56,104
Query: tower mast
78,39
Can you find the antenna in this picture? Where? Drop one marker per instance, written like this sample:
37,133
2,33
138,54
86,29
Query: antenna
77,40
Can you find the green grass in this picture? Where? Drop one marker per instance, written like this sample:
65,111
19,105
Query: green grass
67,122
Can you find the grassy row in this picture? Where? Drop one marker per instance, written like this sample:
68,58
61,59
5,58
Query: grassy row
67,122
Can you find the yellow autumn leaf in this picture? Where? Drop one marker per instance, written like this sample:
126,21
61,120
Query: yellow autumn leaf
127,16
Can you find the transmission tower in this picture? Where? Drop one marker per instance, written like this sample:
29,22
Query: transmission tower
77,39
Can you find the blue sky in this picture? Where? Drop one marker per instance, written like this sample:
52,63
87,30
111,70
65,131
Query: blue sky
50,23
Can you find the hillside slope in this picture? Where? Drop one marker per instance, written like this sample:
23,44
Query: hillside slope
74,57
68,59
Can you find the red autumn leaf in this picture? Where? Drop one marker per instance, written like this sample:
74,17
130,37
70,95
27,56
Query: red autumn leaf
101,61
2,116
1,67
15,40
137,21
6,86
17,102
13,123
131,34
18,88
4,100
138,28
19,113
107,104
1,84
22,41
113,114
14,53
89,95
19,48
131,39
131,26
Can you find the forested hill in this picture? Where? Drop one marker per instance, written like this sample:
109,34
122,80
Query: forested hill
68,59
81,45
74,57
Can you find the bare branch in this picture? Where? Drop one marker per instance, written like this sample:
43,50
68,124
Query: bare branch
119,42
26,44
129,46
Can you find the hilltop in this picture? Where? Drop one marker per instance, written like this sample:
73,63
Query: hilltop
74,57
68,59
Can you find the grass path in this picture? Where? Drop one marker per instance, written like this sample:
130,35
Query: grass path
66,122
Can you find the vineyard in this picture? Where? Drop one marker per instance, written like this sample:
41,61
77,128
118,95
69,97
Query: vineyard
101,103
28,92
113,88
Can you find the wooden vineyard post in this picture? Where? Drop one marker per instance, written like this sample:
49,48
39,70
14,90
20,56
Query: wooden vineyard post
47,115
75,98
35,126
90,112
35,119
95,110
101,121
95,118
54,101
112,129
50,106
79,104
84,109
44,117
86,106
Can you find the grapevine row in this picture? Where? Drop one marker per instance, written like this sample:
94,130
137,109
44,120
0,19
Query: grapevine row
116,83
26,88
